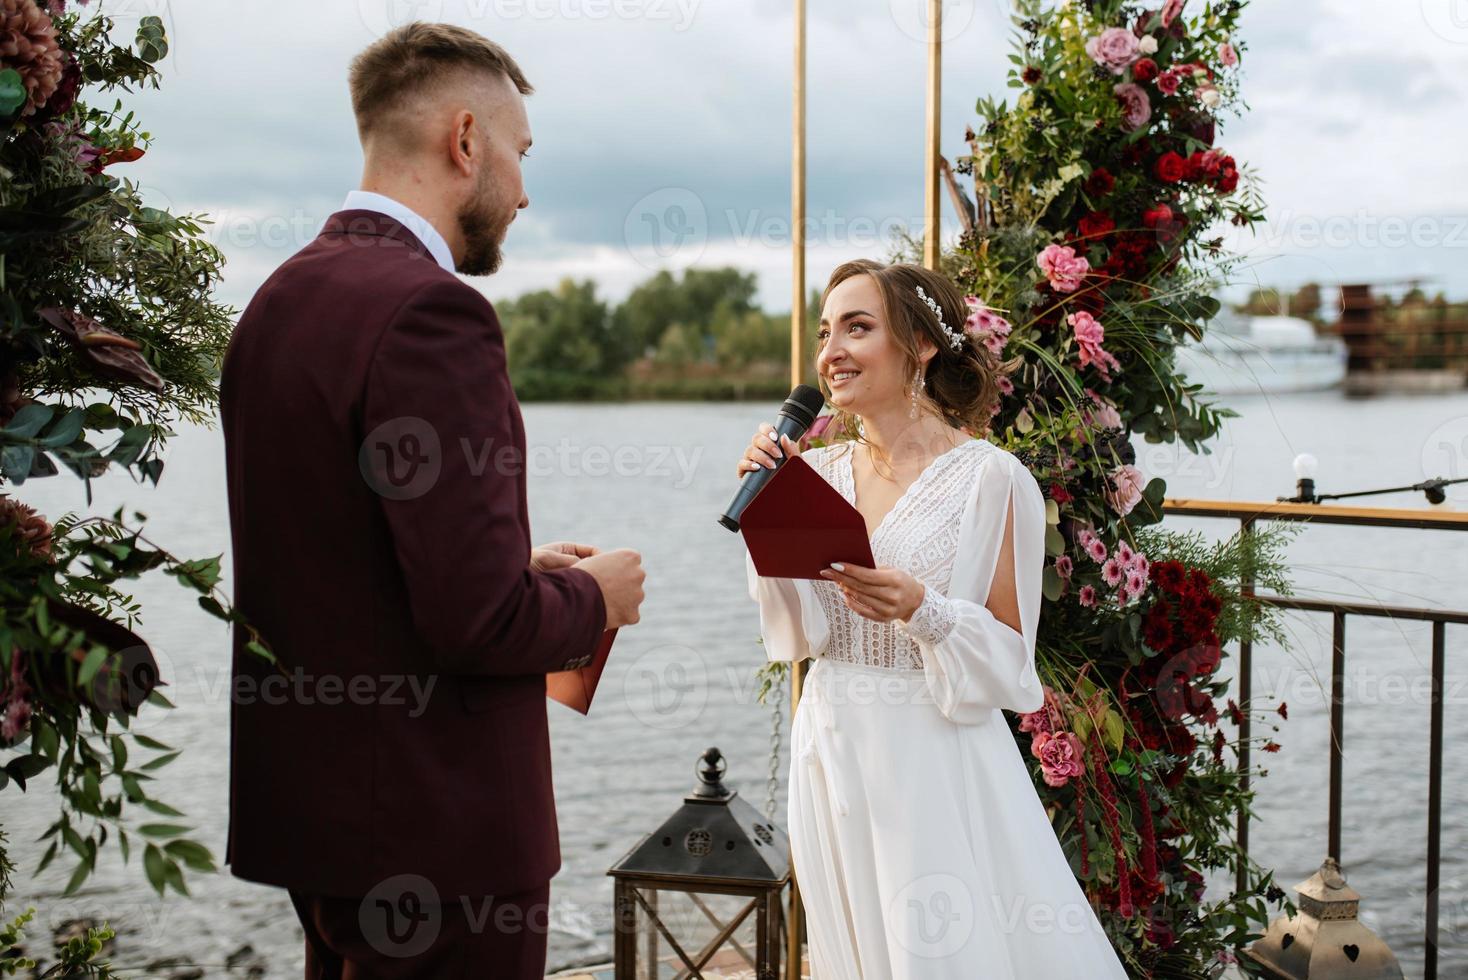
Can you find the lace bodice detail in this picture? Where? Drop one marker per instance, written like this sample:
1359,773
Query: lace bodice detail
920,535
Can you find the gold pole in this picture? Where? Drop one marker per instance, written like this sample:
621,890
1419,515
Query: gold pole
794,920
931,223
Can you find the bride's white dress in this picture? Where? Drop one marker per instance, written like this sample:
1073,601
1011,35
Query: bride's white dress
922,849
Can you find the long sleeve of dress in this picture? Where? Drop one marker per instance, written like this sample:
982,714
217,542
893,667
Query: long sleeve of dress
973,662
790,617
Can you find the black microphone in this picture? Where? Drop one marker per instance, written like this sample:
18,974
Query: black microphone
796,416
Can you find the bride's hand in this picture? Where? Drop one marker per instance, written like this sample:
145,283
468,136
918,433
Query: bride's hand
762,450
879,594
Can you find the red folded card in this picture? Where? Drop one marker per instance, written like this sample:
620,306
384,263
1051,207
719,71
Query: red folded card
574,688
800,524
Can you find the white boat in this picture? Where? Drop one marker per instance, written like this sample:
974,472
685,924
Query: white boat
1242,354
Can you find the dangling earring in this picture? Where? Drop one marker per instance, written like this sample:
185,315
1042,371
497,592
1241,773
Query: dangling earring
917,384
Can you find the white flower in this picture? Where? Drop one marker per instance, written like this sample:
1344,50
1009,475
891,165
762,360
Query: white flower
1210,97
1147,45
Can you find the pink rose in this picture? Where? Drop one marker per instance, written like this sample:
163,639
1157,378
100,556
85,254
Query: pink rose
1114,48
1089,336
1060,756
1136,106
1168,82
1035,721
1170,10
1063,267
1125,488
1227,56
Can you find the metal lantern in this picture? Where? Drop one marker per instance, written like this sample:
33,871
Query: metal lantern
700,897
1325,939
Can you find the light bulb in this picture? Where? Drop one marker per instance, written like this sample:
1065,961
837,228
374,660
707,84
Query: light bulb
1305,466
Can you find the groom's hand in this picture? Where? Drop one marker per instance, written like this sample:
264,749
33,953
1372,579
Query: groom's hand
559,554
620,575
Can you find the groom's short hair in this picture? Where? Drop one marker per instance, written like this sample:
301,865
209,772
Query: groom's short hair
412,60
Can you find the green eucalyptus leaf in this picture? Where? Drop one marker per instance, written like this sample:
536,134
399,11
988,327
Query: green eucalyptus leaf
29,420
12,92
16,461
66,430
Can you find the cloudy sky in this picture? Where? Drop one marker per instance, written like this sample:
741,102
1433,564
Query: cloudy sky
662,130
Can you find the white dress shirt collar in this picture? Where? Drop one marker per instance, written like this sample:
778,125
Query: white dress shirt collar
405,216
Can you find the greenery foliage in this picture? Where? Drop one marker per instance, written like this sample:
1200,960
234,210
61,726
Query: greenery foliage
108,334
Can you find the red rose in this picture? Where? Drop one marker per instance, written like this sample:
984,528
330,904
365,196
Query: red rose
1170,168
1228,181
1100,183
1144,69
1096,224
1195,166
1157,214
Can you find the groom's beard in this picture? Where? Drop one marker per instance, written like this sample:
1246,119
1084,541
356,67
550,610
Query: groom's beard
482,235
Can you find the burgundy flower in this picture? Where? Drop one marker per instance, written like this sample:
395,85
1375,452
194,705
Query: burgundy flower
1144,70
1169,575
1096,224
1234,714
1157,627
1100,183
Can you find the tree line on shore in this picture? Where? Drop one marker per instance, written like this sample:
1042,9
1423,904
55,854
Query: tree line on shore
695,336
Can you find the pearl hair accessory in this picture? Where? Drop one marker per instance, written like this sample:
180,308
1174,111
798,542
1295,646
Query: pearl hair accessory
955,339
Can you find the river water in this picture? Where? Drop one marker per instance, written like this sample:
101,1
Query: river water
654,477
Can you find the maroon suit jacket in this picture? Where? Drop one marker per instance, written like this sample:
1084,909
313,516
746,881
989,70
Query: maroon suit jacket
375,462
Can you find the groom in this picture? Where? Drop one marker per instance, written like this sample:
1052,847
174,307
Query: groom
393,769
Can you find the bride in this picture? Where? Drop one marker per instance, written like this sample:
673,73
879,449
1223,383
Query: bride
921,847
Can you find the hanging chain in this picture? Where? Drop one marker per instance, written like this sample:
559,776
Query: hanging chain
772,787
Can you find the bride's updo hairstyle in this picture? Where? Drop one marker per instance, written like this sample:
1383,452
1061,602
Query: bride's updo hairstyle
961,386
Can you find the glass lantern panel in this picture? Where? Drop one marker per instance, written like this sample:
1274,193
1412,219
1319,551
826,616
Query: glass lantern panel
695,920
